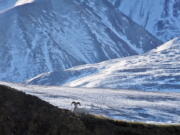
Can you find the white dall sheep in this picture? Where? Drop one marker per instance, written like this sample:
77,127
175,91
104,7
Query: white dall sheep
79,110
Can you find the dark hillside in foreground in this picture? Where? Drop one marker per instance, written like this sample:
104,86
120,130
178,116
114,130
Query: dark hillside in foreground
22,114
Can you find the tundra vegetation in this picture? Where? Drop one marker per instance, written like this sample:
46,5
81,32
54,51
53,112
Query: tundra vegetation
22,114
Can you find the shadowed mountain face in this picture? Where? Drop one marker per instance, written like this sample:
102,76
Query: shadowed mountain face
156,70
24,114
50,35
159,17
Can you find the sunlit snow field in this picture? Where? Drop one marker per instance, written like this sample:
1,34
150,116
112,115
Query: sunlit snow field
156,70
129,105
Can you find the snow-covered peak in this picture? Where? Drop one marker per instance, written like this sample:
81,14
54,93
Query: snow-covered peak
170,44
6,5
22,2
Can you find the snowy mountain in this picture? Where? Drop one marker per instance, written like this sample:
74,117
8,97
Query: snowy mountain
156,70
49,35
160,17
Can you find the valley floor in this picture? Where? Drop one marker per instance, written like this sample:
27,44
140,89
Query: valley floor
150,107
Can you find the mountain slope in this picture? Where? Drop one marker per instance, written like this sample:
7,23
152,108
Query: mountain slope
158,69
160,17
50,35
140,106
25,114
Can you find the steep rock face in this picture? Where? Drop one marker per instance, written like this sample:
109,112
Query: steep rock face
156,70
49,35
160,17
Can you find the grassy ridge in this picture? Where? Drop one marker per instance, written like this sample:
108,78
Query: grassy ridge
22,114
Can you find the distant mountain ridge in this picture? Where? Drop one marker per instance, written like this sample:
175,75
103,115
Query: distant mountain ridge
55,35
157,70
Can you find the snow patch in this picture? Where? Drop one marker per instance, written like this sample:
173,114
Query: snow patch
22,2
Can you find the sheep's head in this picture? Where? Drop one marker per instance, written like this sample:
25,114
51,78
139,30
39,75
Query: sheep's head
76,103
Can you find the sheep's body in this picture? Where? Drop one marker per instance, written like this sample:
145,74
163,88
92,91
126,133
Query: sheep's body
80,110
